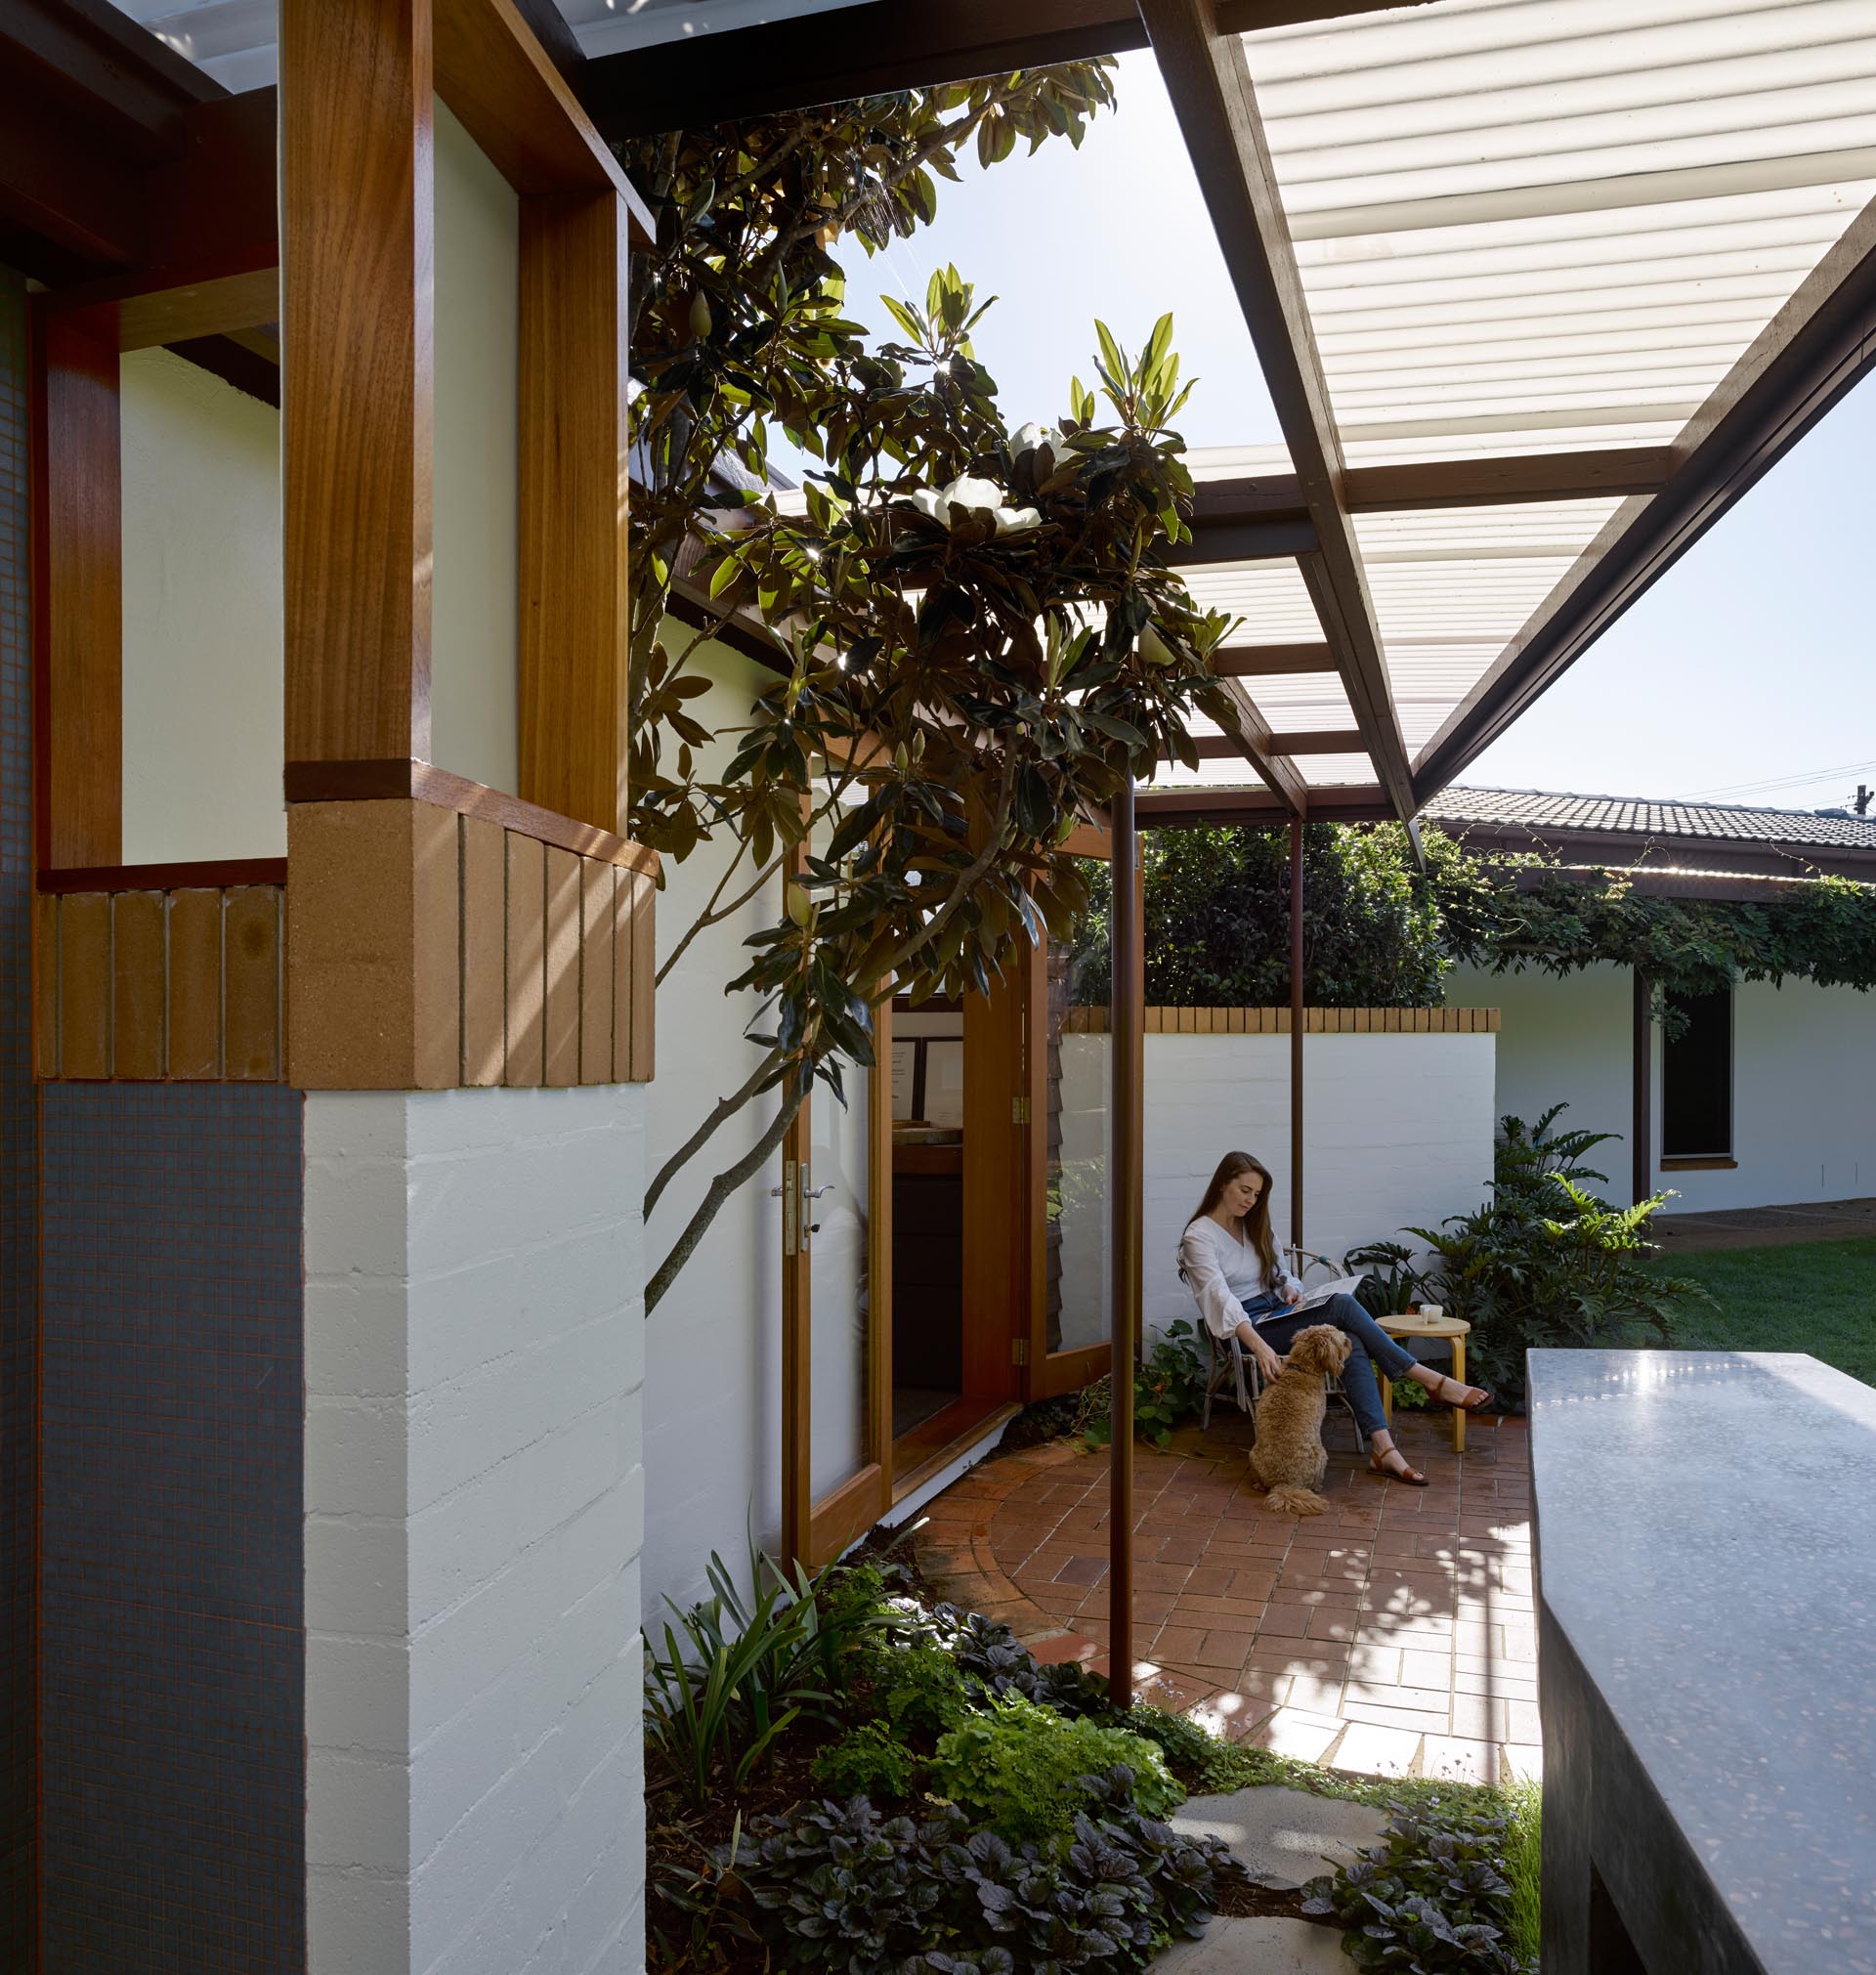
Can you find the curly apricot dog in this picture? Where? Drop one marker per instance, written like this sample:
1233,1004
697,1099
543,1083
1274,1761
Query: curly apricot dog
1288,1459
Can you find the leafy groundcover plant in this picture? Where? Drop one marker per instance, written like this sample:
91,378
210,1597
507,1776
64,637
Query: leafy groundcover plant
905,1791
1168,1389
1429,1898
1546,1262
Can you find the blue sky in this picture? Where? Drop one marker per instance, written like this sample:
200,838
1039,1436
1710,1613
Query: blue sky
1752,661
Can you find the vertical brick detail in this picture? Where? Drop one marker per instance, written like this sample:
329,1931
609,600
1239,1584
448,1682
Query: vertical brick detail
562,966
172,1667
484,956
644,1060
19,1151
596,884
84,985
138,984
373,943
194,985
251,983
526,970
622,976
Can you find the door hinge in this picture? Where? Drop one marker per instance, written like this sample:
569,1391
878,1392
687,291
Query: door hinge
1019,1351
1020,1110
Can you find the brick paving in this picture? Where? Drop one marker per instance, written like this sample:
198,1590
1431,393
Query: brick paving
1394,1635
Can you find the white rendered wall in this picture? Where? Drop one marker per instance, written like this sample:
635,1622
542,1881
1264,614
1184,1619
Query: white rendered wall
204,705
1804,1099
1568,1041
474,1513
475,586
1804,1081
1397,1132
713,1347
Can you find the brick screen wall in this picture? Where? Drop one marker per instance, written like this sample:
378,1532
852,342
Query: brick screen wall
172,1668
19,1160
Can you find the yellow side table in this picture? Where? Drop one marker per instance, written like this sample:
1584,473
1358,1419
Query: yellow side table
1408,1329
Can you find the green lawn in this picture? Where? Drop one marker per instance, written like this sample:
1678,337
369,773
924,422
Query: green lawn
1813,1296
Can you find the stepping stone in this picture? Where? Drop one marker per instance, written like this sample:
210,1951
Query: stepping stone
1264,1947
1283,1837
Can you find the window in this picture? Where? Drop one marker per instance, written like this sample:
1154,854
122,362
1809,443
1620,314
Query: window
1696,1079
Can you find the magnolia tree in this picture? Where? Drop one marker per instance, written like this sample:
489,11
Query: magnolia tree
977,638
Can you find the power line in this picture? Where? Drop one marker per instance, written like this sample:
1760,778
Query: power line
1784,782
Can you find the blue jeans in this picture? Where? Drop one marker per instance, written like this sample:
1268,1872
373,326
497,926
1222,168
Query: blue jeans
1372,1347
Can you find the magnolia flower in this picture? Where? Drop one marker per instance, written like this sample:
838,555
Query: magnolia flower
1154,649
969,495
1030,437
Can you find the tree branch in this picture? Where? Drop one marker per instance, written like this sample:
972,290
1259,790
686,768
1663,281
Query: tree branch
961,888
720,1113
710,916
720,1188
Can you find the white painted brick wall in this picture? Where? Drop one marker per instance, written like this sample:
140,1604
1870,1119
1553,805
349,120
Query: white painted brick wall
1397,1131
713,1347
1804,1080
475,1510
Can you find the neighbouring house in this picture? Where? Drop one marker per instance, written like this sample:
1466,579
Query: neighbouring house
1767,1095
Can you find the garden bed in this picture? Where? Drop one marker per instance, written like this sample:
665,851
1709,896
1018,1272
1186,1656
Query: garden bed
843,1773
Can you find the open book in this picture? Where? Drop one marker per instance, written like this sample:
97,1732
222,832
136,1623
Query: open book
1312,1299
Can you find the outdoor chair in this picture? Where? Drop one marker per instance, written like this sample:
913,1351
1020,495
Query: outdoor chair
1225,1359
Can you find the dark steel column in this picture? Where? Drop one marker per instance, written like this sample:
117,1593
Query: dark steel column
1641,1122
1295,1031
1127,959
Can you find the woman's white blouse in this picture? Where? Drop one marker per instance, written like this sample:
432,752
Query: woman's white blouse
1223,1274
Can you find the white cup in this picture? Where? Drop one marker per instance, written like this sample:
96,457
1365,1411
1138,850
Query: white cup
1431,1313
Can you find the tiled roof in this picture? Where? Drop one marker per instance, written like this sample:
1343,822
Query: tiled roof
1539,810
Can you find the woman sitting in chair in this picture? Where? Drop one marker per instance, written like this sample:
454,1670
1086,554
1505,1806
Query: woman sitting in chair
1229,1262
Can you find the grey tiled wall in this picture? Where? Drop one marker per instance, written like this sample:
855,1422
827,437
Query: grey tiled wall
172,1650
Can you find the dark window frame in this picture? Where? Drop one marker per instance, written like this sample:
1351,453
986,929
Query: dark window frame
1690,1117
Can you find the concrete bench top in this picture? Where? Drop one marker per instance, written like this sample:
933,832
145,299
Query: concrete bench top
1706,1543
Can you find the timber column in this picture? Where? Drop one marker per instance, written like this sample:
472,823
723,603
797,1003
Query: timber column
1126,1059
469,976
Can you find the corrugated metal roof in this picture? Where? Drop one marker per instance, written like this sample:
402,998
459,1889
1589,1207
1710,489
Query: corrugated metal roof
1535,226
1539,810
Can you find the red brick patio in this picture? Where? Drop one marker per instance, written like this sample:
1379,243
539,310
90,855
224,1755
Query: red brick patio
1394,1635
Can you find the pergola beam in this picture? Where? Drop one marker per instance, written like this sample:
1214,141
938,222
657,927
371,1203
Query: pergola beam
1592,473
1250,735
1317,740
1265,662
1807,358
1196,803
1280,538
1209,86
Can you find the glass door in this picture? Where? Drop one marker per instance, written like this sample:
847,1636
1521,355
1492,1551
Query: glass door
837,1277
1071,1143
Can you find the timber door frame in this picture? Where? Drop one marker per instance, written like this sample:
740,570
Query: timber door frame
815,1532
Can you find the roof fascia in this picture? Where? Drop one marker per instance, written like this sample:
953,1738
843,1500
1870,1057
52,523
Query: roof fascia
1636,849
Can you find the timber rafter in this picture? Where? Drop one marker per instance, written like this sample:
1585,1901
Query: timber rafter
1206,78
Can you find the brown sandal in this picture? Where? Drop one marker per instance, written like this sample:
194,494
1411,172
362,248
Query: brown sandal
1406,1474
1477,1405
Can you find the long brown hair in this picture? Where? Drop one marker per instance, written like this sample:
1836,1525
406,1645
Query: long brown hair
1255,1225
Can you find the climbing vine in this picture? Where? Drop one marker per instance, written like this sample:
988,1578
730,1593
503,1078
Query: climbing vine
1376,933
